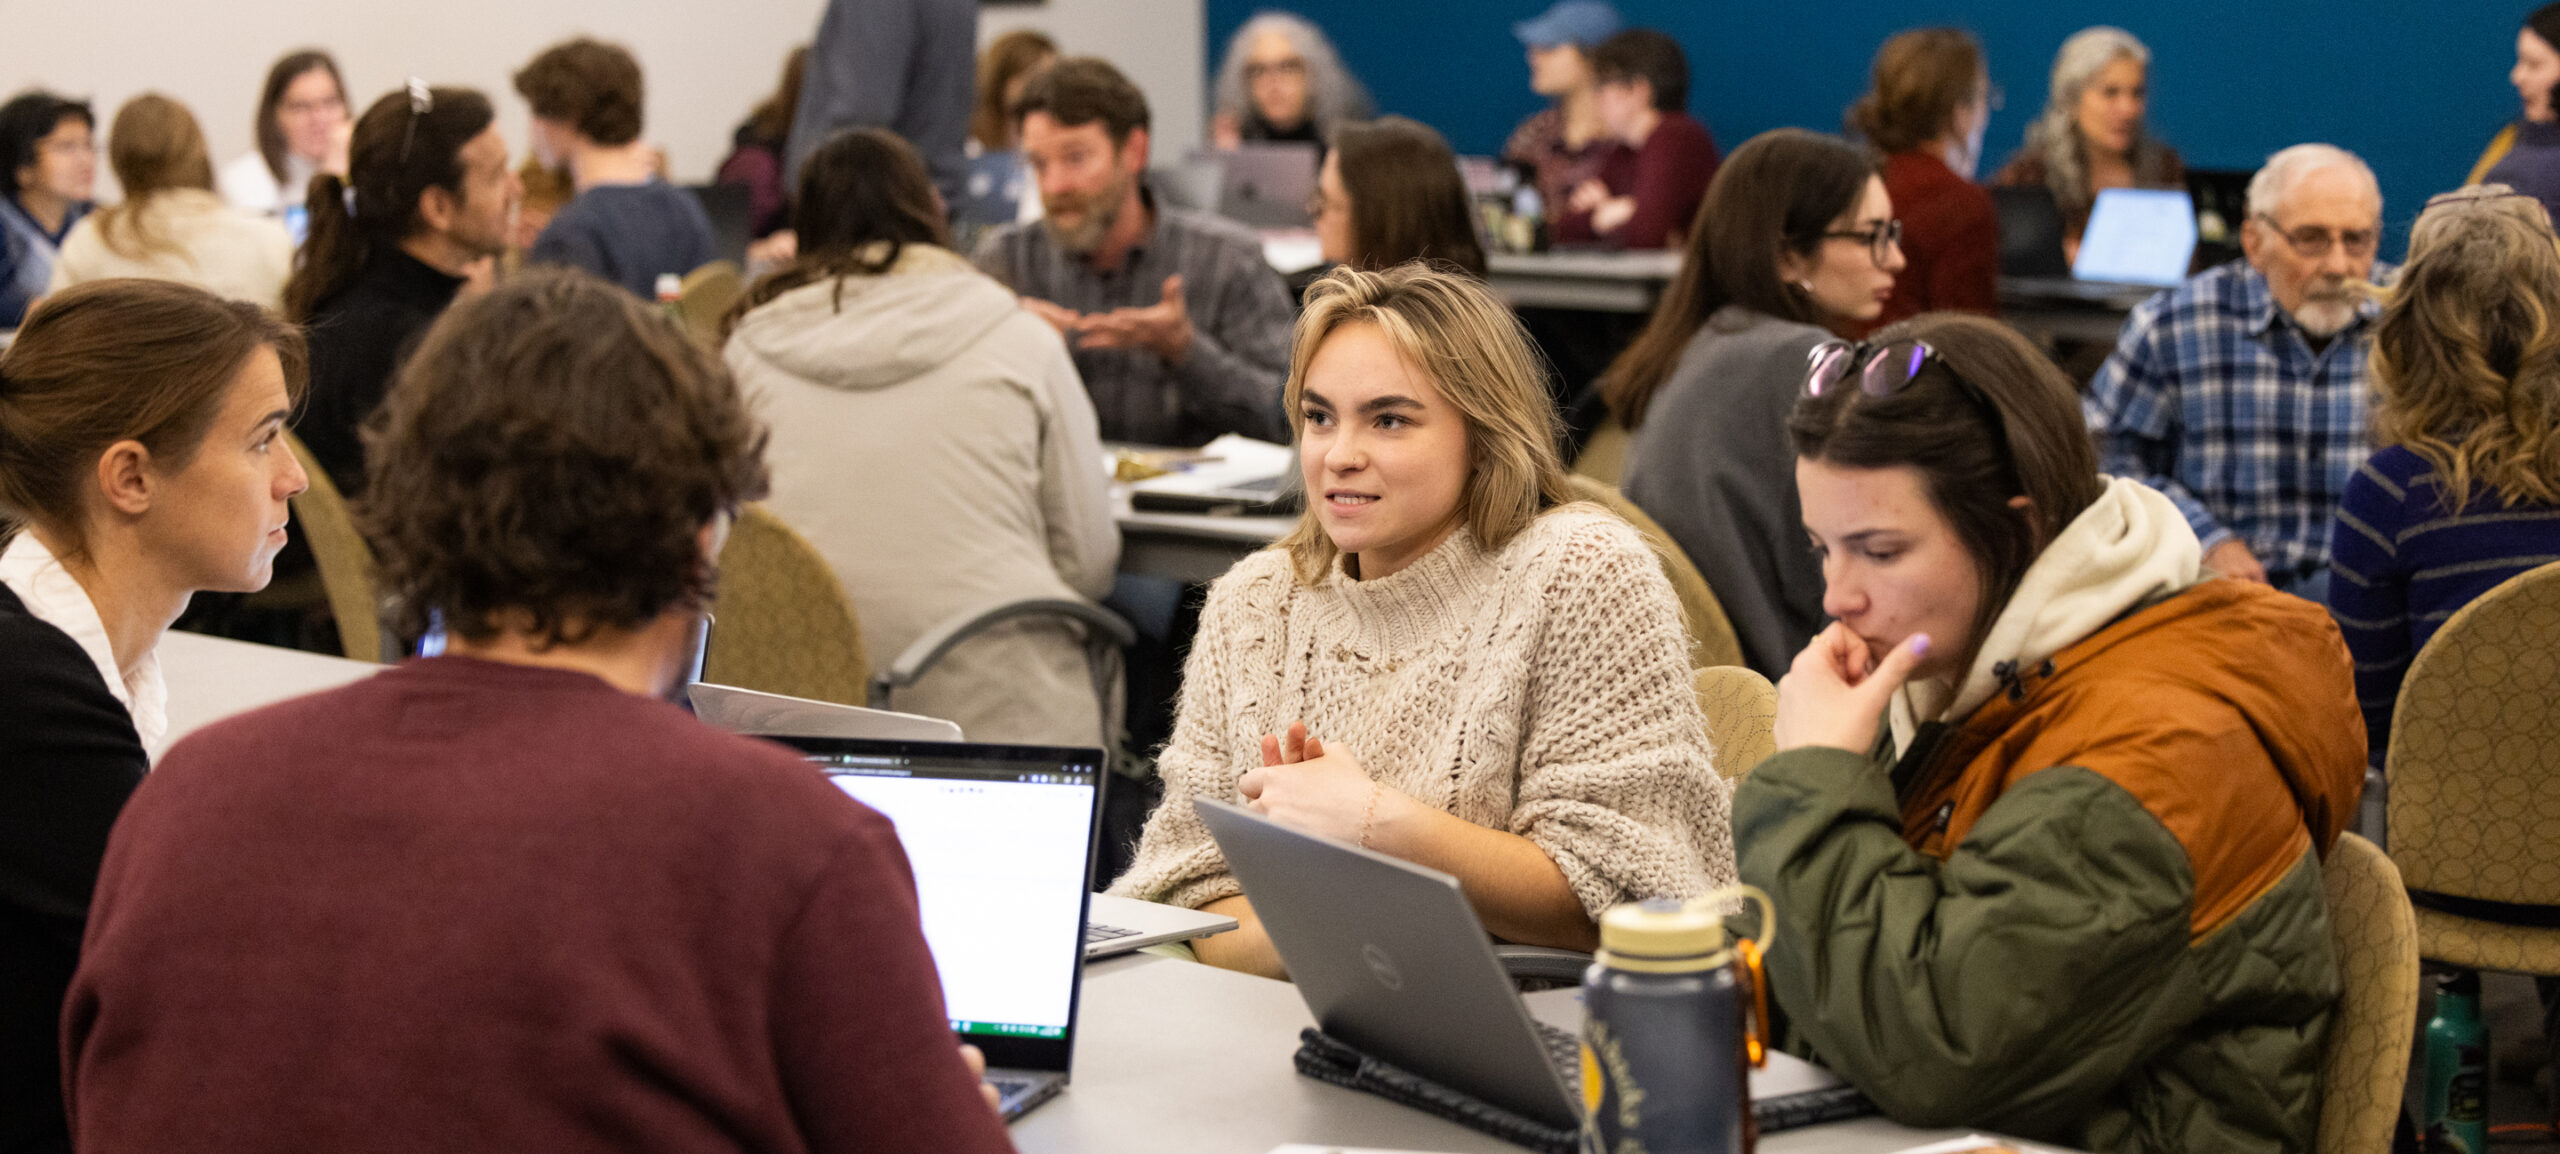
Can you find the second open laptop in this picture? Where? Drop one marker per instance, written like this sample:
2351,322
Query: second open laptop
1402,971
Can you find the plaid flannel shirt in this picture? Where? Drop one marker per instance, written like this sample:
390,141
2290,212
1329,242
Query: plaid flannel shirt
2215,397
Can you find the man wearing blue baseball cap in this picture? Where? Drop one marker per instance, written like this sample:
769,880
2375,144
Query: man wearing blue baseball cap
1565,143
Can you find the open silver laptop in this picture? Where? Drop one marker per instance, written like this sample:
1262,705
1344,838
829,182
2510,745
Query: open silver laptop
760,714
1392,961
1000,839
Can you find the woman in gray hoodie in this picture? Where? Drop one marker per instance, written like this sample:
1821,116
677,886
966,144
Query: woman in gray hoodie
933,440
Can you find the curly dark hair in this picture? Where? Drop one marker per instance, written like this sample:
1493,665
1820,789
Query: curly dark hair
553,451
591,85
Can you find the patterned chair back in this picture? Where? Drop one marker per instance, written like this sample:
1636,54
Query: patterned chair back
2475,748
2376,935
782,623
1742,713
1711,639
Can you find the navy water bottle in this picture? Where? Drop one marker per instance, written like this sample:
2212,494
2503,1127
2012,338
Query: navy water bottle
1665,1058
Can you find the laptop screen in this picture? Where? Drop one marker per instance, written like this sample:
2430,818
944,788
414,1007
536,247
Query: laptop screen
2138,236
999,838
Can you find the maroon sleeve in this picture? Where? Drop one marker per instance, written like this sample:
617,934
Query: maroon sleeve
761,171
1965,271
1670,178
860,1034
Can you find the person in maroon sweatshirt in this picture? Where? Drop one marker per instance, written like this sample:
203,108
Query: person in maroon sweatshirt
1926,111
508,898
1648,192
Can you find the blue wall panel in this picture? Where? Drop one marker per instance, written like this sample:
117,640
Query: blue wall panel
2415,88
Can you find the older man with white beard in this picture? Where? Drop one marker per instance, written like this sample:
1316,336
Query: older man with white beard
2241,393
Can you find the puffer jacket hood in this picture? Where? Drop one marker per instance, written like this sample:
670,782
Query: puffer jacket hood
871,332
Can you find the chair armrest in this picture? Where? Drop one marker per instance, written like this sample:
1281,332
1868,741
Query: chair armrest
1543,963
1102,625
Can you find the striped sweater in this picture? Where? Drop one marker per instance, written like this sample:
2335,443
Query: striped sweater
2402,564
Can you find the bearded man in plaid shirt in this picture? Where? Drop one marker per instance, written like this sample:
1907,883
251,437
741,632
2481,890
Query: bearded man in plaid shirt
2241,394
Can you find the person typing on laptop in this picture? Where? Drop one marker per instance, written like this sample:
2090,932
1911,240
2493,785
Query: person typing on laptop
505,898
1448,660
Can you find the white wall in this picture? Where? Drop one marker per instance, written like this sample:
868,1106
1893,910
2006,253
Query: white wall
707,61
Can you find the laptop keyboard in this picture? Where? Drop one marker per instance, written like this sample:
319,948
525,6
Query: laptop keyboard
1096,932
1564,1052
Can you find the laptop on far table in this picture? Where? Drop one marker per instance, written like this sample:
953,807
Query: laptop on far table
1402,971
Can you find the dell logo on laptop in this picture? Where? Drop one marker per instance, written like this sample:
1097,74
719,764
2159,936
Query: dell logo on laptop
1382,967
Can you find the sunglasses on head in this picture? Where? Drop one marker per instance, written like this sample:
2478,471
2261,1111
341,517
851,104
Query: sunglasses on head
1882,370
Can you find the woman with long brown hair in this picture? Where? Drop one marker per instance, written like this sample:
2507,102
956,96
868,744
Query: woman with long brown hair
933,440
755,150
1389,193
2463,489
141,459
171,226
1796,239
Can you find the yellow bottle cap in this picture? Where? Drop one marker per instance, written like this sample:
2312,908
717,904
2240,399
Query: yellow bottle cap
1659,935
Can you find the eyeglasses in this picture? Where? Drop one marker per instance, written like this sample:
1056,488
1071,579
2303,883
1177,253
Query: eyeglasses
1261,68
2313,242
422,100
1883,370
1881,239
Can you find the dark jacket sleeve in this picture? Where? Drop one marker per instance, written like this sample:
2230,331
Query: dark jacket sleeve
861,1036
2012,985
69,758
1239,358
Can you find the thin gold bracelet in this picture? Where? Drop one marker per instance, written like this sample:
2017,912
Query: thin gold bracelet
1369,816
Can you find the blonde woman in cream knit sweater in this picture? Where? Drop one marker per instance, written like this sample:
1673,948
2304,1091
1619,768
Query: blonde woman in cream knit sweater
1447,661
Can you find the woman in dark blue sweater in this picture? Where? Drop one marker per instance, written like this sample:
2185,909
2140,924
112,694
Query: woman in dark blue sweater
2463,491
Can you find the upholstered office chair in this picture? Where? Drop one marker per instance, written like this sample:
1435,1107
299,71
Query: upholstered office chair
2475,748
1711,639
2367,1066
705,297
1604,456
1742,714
345,561
782,623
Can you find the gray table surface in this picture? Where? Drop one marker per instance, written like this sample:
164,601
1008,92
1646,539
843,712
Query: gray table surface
1617,282
1178,1058
1171,1057
211,678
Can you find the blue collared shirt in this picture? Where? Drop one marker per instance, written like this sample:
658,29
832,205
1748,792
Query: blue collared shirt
2215,397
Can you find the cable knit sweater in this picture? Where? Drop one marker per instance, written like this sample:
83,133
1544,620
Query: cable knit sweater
1539,689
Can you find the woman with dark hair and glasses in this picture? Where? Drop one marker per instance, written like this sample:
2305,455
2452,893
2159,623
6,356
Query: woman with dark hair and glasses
423,209
302,131
2045,825
1796,240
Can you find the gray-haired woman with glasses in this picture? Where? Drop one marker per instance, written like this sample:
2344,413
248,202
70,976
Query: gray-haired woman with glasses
1797,240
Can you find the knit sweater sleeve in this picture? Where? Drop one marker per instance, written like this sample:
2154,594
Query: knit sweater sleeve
1177,863
1617,783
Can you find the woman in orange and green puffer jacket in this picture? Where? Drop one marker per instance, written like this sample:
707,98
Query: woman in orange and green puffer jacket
2045,827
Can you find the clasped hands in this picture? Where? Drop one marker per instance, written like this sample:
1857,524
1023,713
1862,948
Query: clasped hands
1163,327
1607,212
1305,786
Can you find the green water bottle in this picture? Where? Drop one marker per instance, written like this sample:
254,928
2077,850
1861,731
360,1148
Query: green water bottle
2457,1117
